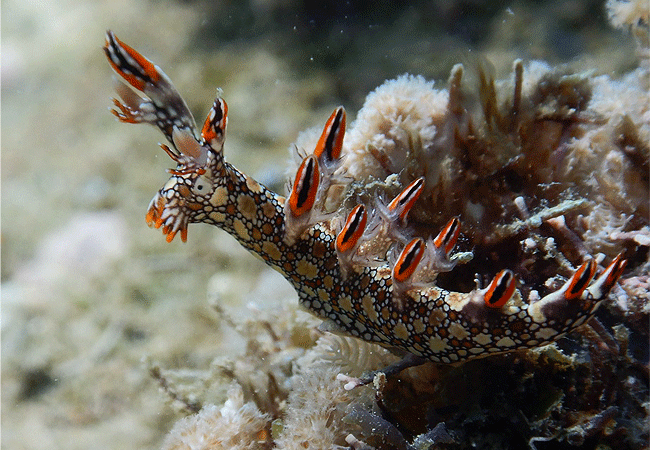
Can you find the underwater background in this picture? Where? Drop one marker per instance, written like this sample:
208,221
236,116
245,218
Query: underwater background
99,313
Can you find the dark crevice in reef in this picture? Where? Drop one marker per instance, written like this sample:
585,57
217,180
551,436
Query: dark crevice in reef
35,382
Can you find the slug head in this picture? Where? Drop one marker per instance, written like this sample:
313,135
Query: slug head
187,195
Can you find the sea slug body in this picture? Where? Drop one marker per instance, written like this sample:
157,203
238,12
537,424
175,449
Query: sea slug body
366,267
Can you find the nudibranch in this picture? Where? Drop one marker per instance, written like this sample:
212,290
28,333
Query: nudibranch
362,267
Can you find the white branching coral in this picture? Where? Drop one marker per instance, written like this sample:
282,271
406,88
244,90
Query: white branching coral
633,15
315,407
398,114
628,13
352,356
234,426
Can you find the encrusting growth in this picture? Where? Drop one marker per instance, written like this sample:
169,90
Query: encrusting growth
364,270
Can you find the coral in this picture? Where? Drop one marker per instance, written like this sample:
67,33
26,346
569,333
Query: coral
633,15
628,13
352,356
236,425
315,407
396,115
